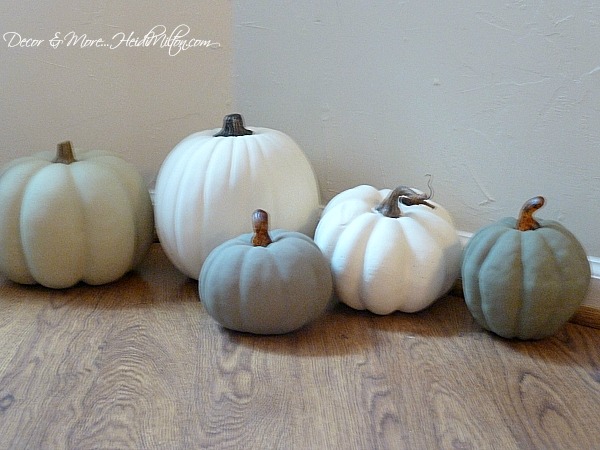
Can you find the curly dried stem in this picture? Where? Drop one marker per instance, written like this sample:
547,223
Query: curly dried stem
233,126
260,224
64,153
526,221
390,207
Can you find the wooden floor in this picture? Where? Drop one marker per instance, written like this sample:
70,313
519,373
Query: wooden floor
139,364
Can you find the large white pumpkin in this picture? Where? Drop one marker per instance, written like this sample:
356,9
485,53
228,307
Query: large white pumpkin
213,180
389,250
67,217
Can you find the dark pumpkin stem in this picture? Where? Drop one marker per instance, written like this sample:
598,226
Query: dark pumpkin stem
526,221
260,224
64,153
389,207
233,125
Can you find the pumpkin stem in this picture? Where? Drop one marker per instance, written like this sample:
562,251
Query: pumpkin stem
260,223
389,206
526,221
233,125
64,153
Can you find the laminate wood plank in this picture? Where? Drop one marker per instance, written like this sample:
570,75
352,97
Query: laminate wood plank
475,382
588,316
139,364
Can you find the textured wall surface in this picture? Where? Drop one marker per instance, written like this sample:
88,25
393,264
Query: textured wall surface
499,102
133,97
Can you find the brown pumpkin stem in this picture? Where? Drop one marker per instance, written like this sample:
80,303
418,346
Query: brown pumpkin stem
389,207
233,125
526,221
260,224
64,153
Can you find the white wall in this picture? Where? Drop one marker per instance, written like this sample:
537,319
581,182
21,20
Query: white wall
136,101
499,103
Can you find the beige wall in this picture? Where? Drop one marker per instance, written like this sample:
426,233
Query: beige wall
499,103
137,101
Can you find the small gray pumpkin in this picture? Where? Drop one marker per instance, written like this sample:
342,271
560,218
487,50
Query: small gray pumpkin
265,283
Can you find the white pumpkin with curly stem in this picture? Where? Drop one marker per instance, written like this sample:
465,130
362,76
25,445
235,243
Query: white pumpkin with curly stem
389,249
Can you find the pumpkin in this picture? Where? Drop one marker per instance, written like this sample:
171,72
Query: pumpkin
70,217
389,249
212,179
265,283
524,278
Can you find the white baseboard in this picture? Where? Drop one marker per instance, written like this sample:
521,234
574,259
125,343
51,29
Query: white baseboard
595,266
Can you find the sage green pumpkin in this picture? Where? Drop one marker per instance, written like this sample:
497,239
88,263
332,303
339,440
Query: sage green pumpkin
72,216
265,283
524,278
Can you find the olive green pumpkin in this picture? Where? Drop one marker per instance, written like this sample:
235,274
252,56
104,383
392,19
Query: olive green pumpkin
524,278
265,283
